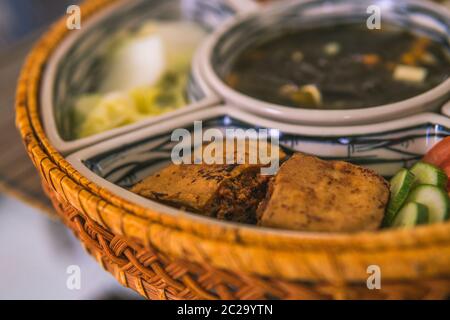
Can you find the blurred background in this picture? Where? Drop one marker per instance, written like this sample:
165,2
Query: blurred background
35,248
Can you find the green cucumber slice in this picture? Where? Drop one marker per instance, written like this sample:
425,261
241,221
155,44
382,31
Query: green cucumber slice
434,198
410,215
400,186
429,174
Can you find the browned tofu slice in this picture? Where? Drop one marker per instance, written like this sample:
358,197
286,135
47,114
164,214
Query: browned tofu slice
227,191
230,192
311,194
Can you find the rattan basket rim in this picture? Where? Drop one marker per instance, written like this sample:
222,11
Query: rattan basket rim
82,192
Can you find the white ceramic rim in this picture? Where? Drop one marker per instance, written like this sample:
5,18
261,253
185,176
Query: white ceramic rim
48,79
422,102
446,109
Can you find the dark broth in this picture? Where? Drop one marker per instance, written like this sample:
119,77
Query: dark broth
340,67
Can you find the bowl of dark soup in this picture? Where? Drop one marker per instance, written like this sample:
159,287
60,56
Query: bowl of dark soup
328,63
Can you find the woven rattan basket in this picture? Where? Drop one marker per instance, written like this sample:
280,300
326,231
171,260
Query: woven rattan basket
166,258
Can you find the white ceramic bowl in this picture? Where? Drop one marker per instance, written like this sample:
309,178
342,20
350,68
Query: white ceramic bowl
223,45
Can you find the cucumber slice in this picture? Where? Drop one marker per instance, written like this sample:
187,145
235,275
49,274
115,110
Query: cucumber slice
434,198
411,214
429,174
400,186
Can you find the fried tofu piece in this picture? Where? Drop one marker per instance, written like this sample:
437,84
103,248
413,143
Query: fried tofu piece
225,191
230,192
311,194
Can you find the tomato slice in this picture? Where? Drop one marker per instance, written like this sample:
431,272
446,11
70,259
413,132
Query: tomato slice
446,167
439,154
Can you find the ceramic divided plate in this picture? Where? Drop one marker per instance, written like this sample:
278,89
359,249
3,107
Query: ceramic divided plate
119,163
119,158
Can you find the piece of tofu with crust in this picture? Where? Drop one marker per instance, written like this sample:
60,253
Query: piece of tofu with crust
230,192
311,194
225,191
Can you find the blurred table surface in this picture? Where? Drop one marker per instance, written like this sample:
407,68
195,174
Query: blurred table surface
35,251
21,24
18,176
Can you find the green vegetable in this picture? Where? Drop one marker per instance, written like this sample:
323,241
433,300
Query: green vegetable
400,186
429,174
411,214
95,113
411,190
434,198
145,75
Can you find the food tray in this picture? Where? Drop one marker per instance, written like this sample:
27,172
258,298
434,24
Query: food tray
163,253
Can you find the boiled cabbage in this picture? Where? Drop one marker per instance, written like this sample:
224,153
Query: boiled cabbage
145,75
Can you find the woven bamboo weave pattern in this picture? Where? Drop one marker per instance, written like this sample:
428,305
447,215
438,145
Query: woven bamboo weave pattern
143,270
